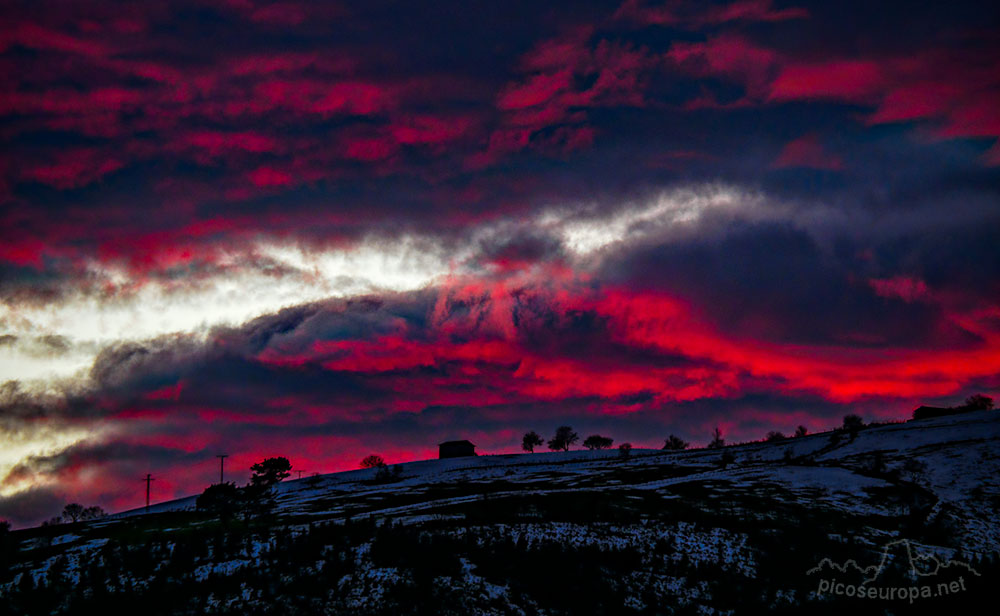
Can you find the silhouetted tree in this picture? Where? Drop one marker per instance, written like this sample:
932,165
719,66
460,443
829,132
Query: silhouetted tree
270,471
978,402
625,451
73,512
853,423
675,443
801,431
530,441
220,499
717,440
258,495
93,513
596,441
774,436
563,439
372,461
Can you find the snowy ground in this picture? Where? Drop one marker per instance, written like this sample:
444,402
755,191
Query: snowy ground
709,508
960,455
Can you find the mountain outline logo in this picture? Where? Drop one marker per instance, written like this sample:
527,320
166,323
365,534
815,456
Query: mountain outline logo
922,563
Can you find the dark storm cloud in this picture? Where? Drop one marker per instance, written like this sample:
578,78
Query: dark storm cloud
775,282
31,506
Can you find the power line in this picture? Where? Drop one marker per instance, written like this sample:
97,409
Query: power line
148,479
222,460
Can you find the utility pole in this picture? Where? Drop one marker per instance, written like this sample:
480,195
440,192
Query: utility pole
222,460
300,473
148,479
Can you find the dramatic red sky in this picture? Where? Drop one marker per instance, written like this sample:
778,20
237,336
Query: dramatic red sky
325,230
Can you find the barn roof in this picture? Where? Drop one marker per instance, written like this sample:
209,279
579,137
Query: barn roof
462,442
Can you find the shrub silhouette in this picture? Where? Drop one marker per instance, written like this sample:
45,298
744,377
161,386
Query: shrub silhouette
801,431
220,499
372,461
563,439
717,440
625,451
530,441
774,436
93,513
675,443
853,423
596,441
978,402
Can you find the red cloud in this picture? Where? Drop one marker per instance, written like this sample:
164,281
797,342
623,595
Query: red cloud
807,151
34,36
482,354
217,142
74,168
370,149
537,89
23,252
696,15
430,130
269,177
840,80
902,287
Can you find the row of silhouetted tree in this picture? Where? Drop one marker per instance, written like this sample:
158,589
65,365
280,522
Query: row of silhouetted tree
565,437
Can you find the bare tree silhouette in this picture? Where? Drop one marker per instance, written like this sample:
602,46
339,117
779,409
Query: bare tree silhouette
717,440
563,439
73,512
675,443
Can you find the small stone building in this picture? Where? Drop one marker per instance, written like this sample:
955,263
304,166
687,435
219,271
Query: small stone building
456,449
925,412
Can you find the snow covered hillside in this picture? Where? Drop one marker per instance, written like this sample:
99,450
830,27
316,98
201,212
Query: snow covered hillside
702,530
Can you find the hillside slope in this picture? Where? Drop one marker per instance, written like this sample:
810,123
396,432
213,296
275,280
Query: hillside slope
701,531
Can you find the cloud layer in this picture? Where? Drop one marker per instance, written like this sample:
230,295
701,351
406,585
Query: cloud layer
324,230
